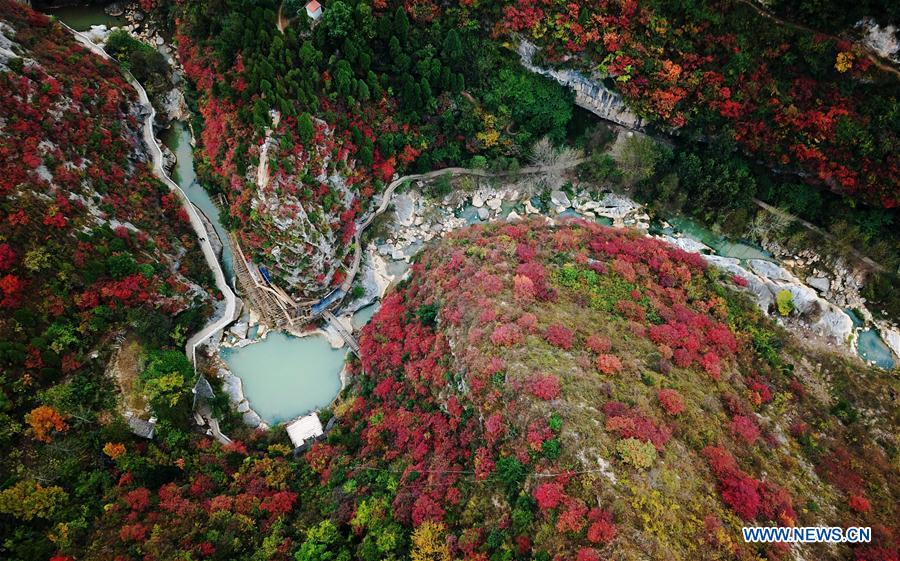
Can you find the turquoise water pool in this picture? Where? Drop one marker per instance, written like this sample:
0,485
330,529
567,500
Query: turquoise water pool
286,376
870,346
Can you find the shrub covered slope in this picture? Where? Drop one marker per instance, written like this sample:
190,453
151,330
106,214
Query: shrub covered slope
582,392
92,247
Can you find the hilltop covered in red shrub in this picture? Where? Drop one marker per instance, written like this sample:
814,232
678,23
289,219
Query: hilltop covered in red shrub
633,407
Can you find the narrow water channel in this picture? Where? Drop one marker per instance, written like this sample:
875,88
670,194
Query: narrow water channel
178,139
725,247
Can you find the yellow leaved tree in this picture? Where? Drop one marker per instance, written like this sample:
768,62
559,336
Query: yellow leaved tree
429,543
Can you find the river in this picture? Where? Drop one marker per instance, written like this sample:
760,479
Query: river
282,376
285,376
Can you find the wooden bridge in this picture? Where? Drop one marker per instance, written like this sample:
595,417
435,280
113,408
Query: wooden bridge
275,306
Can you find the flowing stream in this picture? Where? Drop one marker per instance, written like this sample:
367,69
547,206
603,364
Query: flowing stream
178,139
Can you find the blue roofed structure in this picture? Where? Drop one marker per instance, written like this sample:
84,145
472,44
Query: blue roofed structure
323,304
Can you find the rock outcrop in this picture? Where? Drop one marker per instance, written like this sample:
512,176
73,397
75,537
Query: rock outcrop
590,93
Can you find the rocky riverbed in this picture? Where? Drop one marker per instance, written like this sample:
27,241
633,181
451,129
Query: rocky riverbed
819,294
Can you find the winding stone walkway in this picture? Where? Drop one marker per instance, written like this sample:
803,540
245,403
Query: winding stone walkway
231,306
231,302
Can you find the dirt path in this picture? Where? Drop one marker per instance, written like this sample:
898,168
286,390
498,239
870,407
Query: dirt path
281,22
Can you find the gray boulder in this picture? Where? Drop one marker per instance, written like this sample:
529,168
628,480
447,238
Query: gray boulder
822,284
559,198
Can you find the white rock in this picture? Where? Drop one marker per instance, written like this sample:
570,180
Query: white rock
495,203
483,214
558,198
477,200
175,106
513,216
404,206
688,244
891,338
98,34
243,406
769,270
251,419
881,39
822,284
232,386
239,329
615,206
755,284
529,208
834,323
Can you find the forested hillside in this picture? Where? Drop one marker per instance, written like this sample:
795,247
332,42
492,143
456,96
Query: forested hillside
543,393
797,99
370,92
802,120
93,249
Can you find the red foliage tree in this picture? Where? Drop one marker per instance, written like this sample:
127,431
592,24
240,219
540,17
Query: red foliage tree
549,495
507,335
608,364
559,336
745,428
671,401
601,529
598,344
7,257
859,503
543,386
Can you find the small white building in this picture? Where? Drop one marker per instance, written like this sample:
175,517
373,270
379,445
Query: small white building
314,10
305,429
